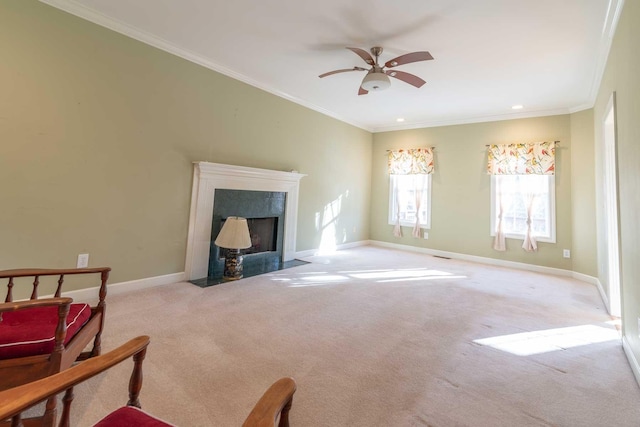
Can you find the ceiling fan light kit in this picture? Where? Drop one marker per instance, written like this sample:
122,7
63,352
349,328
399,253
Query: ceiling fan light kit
375,81
377,78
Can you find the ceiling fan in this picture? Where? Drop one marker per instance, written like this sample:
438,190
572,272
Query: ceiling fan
377,77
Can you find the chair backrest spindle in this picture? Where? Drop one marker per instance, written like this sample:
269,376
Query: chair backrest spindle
59,288
36,282
9,297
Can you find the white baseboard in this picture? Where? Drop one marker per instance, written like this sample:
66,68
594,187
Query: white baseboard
586,278
491,261
90,294
633,362
603,295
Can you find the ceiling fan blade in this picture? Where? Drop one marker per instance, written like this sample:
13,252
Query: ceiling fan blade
342,71
362,91
408,58
362,54
406,77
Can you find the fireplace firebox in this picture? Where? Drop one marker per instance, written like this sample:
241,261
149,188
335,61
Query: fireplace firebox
263,232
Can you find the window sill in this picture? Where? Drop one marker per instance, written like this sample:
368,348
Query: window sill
542,239
412,224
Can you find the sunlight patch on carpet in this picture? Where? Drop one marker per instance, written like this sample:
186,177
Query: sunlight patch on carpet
326,278
400,274
379,276
536,342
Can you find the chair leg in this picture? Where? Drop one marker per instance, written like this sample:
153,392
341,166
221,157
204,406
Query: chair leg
49,417
66,409
97,346
16,421
284,415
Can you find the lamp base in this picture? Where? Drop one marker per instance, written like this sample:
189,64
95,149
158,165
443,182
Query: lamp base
232,265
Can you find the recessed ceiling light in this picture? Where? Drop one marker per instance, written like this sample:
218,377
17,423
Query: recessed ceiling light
517,107
399,119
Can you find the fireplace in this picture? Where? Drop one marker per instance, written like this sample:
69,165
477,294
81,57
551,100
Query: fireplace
265,214
209,177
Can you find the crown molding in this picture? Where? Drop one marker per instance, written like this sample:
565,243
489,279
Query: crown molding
613,15
475,119
614,11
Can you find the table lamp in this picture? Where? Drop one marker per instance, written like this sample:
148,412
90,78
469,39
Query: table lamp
233,236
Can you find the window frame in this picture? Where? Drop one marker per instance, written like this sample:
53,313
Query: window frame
551,238
391,217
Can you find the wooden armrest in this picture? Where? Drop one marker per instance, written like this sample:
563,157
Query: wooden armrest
17,399
276,400
44,302
26,272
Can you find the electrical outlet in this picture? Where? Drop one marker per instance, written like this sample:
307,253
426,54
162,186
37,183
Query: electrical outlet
566,253
83,261
425,235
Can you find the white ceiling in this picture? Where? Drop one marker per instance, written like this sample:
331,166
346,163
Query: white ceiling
547,55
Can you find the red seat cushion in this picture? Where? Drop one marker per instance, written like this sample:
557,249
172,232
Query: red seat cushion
130,416
31,331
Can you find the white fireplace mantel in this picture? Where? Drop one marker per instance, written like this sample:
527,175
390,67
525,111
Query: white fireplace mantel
207,177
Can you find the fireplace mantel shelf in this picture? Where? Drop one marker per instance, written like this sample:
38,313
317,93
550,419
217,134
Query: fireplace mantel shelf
207,177
247,172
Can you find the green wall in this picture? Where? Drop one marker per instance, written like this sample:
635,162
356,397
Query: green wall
583,197
98,133
461,188
621,76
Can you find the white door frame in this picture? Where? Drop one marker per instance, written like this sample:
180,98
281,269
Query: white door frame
612,221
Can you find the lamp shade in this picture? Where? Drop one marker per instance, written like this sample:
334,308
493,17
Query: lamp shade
375,81
234,234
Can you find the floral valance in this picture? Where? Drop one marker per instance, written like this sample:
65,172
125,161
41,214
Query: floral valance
538,158
413,161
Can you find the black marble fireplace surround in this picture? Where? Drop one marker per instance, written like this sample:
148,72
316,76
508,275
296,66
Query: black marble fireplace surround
265,213
250,205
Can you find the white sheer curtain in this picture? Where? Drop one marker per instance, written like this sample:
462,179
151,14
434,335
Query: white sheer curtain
499,242
418,187
397,230
529,243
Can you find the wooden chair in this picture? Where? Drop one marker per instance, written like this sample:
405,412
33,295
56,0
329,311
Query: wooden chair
41,337
274,404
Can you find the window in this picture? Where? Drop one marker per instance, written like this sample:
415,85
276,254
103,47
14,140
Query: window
513,191
403,201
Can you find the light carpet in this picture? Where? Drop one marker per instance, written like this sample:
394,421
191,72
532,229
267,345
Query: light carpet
374,337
